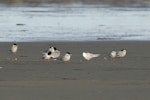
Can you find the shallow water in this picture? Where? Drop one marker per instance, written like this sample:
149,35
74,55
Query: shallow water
73,23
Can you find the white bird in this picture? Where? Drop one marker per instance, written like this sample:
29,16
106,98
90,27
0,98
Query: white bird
89,56
66,58
122,53
52,49
47,56
14,48
112,54
55,53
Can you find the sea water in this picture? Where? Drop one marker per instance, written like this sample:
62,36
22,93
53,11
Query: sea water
73,23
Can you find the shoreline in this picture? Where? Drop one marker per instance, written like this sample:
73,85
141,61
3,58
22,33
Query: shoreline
73,41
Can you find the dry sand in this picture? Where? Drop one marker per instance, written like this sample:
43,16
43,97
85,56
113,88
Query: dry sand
31,78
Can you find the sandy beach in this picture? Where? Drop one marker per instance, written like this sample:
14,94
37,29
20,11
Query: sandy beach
29,77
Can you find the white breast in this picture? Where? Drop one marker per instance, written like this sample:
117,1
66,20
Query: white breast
14,48
46,56
66,57
112,54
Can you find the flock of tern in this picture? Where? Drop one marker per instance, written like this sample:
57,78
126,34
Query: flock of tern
54,53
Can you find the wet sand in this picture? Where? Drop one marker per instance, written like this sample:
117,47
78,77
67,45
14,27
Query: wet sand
31,78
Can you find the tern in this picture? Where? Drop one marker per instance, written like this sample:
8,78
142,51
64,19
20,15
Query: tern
122,53
66,58
89,56
113,54
55,53
47,56
14,48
